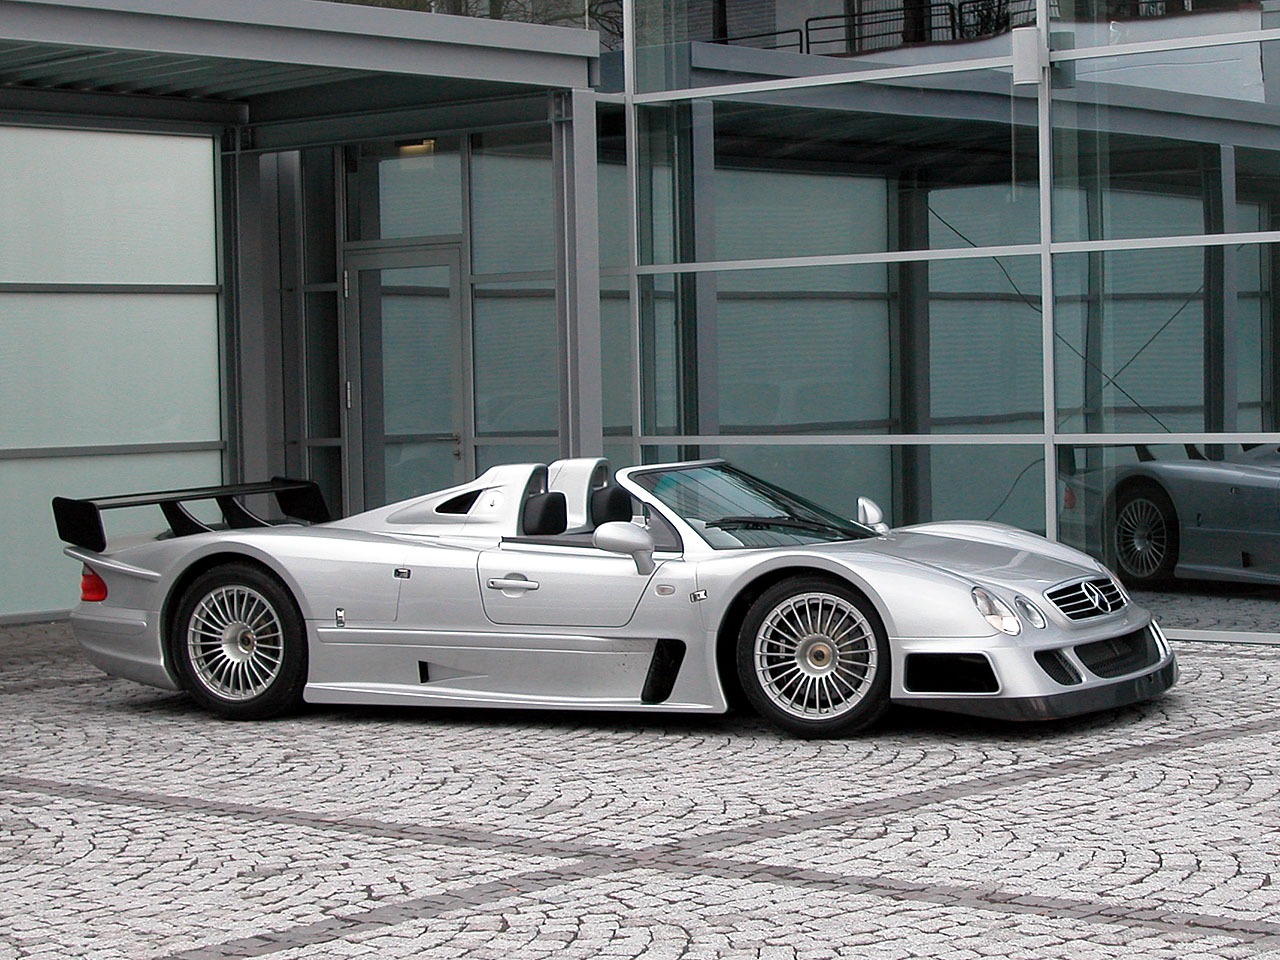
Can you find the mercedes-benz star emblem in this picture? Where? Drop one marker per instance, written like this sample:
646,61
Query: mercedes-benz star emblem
1096,597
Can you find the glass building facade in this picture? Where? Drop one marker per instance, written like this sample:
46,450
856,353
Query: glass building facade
986,259
989,260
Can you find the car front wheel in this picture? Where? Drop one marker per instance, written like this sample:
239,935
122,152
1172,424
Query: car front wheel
812,658
239,644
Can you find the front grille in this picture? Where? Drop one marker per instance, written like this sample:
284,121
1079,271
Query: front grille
1120,655
1084,599
1058,667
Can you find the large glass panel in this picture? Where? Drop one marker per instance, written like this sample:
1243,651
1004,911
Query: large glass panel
1107,23
1164,144
913,484
90,369
1193,528
319,215
517,356
493,454
656,186
34,574
512,202
662,357
833,477
801,351
927,163
406,188
949,346
322,384
617,361
984,323
86,207
411,373
693,43
1177,340
613,188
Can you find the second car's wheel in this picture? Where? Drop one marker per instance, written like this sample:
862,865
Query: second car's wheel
239,645
1145,535
813,658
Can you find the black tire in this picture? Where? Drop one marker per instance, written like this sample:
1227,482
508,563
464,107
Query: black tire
813,658
1144,535
239,645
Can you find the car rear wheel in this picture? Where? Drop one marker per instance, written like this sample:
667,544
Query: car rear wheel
239,644
1145,535
813,658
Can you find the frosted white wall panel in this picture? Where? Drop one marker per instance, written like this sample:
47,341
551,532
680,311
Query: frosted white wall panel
512,213
517,374
765,213
86,207
420,196
37,577
84,369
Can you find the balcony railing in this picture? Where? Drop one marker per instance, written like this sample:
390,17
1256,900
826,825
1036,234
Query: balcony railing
886,24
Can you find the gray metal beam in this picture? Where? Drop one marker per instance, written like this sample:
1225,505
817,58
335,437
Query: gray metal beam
306,33
440,120
578,279
114,110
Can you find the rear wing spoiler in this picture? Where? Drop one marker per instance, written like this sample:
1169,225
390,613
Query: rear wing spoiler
80,521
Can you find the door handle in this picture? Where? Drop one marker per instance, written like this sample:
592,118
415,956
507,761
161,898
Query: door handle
510,583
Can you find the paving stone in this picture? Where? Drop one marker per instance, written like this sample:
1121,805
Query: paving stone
134,826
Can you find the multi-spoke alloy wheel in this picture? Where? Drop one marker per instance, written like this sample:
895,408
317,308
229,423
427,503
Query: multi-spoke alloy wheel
238,643
1145,536
235,642
812,658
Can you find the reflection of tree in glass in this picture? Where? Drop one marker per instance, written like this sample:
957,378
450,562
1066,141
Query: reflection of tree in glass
604,16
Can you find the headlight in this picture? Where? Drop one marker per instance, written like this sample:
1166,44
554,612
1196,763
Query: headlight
1030,612
996,612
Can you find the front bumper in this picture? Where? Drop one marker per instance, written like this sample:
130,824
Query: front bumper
1051,674
1055,706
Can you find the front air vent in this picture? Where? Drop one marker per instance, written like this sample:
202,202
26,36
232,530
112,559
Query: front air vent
950,673
1085,599
1120,655
1058,667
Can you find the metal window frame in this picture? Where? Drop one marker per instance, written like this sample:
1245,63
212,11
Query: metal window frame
1046,248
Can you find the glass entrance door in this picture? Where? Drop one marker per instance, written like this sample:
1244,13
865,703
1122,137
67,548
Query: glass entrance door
407,375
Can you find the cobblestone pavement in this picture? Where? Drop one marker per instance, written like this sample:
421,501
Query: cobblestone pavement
1208,606
134,826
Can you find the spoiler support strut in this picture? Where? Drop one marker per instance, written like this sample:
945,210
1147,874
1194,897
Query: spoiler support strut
80,521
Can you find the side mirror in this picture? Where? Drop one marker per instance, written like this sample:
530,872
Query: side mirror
870,515
629,538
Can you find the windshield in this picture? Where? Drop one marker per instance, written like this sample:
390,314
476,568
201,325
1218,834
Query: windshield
732,510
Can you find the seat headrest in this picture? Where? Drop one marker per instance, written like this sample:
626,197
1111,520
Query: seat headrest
544,515
609,504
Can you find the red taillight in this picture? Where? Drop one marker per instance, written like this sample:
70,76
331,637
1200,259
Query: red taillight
1068,499
93,589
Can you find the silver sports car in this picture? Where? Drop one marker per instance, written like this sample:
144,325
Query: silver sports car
1200,512
679,587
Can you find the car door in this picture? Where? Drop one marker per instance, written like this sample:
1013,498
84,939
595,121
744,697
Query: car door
1228,513
538,584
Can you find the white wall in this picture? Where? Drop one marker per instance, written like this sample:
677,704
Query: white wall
97,386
